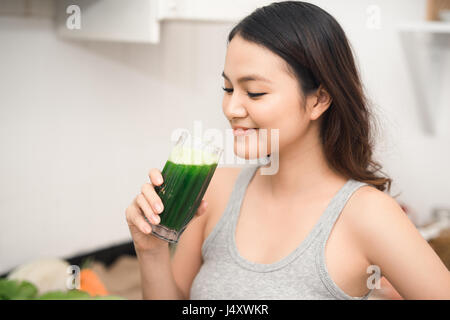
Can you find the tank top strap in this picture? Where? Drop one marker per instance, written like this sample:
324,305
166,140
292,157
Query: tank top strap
336,206
240,187
330,217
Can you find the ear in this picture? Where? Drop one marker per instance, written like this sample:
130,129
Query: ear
321,102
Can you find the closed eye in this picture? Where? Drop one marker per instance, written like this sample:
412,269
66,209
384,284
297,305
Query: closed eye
254,95
250,94
227,90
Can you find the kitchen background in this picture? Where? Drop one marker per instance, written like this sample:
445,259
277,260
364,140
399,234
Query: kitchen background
83,120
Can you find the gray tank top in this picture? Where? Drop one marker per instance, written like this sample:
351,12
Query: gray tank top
303,274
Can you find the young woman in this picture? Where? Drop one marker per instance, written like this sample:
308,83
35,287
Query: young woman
322,227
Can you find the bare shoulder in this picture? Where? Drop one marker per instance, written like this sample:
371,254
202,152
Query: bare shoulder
221,183
369,207
375,216
372,195
390,240
369,202
226,173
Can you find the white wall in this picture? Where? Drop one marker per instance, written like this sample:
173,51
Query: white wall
83,122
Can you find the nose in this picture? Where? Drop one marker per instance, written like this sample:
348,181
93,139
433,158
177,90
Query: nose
233,106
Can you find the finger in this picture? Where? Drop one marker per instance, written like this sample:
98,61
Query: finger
152,198
156,177
136,219
146,209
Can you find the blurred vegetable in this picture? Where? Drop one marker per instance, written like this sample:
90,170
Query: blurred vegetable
17,290
64,295
91,283
47,274
25,290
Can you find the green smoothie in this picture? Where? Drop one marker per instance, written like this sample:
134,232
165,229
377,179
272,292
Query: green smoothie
186,176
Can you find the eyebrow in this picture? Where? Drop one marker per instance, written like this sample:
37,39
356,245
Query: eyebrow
250,77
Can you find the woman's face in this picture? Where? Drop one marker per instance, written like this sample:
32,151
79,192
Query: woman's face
261,93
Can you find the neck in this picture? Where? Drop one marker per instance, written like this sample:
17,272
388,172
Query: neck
302,171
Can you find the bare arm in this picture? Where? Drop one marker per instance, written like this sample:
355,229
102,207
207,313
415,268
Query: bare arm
156,276
393,243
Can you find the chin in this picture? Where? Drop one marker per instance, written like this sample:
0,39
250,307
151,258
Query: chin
249,147
249,153
245,156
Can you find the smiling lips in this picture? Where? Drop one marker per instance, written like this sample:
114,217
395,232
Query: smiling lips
244,132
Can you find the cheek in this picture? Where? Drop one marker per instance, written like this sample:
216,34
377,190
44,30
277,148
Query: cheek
280,113
268,112
292,127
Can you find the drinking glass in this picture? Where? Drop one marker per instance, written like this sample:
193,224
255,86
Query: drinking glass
187,174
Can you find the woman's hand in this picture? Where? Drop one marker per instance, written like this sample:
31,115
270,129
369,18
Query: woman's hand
149,204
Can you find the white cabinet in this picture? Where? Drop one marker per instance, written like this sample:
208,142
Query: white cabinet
139,20
208,10
110,20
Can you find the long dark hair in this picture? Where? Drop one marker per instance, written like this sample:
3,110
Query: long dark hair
317,52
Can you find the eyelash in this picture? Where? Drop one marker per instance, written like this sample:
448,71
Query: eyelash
251,95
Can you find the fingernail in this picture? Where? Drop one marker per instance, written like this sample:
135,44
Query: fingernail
157,219
147,229
158,208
